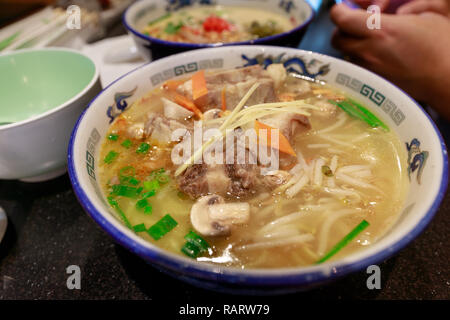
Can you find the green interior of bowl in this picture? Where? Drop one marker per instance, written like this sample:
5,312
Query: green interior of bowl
33,82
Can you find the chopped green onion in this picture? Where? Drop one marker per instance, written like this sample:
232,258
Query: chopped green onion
127,171
125,191
370,115
195,245
327,171
111,156
148,209
341,244
191,250
113,137
127,144
172,28
163,226
139,228
113,202
163,17
148,194
152,185
143,148
134,181
141,204
357,111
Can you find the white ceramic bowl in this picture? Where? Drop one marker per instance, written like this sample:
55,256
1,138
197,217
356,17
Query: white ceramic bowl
54,85
397,110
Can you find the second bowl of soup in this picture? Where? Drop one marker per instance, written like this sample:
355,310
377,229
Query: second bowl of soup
257,175
162,28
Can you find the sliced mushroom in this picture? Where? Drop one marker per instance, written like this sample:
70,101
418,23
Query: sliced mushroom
211,216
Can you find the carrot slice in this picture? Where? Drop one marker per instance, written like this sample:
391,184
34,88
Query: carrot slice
224,100
172,85
188,104
199,88
283,144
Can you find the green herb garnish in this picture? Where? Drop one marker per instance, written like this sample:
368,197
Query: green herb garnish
341,244
127,144
195,245
163,17
113,202
163,226
125,191
171,28
113,137
151,185
111,156
327,171
357,111
139,228
143,148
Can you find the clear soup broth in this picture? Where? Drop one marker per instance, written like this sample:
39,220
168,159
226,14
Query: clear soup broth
335,171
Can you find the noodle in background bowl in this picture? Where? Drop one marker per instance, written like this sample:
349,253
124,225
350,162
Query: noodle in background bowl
400,112
138,15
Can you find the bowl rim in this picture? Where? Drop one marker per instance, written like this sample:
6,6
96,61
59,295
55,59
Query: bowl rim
327,271
63,105
187,45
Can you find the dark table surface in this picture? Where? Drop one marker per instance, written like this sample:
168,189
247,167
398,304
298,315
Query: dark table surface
49,231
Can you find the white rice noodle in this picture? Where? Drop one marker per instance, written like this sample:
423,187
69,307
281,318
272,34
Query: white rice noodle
340,193
318,174
283,231
355,182
324,231
264,212
361,137
336,141
353,168
331,182
318,145
298,186
281,221
301,160
299,239
334,150
334,163
362,174
337,124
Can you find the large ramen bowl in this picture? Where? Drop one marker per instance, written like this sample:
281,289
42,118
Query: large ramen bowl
138,15
397,110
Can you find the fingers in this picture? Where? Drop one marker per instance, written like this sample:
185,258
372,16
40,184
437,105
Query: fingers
350,21
420,6
361,51
383,4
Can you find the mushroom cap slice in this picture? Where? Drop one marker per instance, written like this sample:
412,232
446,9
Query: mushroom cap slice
211,216
201,220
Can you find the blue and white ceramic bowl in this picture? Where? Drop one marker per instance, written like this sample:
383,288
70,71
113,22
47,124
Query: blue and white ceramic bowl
138,15
396,109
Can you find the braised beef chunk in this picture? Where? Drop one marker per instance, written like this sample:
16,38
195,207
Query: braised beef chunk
193,181
244,178
203,179
235,83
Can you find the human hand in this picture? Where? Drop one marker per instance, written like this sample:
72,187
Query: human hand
413,51
421,6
